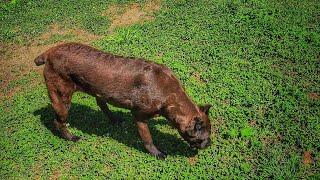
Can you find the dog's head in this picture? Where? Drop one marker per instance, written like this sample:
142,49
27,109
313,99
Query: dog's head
197,133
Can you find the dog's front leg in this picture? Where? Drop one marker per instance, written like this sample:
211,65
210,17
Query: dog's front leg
147,139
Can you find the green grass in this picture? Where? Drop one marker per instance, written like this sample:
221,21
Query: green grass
256,62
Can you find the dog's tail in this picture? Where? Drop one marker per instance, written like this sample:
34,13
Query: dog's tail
40,59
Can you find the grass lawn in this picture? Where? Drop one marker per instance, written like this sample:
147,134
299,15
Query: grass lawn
256,62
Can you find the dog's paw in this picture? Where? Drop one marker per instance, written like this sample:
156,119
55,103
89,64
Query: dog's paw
161,155
75,138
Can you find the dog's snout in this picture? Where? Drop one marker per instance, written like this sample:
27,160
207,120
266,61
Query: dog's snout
209,142
205,143
200,144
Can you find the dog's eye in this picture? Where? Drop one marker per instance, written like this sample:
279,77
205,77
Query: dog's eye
190,134
198,124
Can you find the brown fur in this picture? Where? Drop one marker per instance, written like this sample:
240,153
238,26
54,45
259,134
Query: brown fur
146,88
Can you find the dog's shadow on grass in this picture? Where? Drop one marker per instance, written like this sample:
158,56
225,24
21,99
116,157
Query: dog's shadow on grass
91,121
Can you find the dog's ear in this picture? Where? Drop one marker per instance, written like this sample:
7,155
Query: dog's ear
205,108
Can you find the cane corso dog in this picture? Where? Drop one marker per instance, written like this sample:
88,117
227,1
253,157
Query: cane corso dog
146,88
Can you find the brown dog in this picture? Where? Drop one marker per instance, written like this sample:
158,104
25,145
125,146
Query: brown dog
146,88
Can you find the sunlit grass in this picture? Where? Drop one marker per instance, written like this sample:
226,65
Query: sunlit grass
256,62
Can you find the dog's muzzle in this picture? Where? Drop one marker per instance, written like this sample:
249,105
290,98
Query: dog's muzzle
201,144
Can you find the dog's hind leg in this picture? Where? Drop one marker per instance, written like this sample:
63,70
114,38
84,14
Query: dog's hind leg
60,92
61,105
105,109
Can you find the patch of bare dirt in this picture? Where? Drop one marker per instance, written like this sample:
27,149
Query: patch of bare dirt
16,61
16,64
198,78
74,34
269,140
307,158
252,123
55,175
226,102
107,168
192,160
36,170
125,15
152,6
314,96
